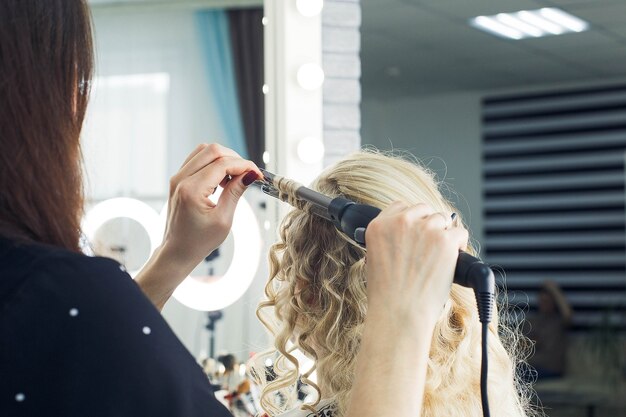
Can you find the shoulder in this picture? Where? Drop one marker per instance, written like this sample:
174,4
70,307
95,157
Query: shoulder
50,285
57,274
81,328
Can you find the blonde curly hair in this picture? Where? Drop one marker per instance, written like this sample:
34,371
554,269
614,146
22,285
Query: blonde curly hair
317,303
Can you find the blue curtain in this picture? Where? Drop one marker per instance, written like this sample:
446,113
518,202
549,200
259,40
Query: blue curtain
214,36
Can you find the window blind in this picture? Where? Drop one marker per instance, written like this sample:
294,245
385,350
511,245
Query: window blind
554,199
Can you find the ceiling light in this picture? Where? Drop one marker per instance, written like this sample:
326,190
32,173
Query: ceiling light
564,19
540,22
520,25
489,24
530,23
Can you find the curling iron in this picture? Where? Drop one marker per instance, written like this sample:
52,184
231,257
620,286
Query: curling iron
352,219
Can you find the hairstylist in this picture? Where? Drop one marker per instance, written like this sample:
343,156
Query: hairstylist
79,337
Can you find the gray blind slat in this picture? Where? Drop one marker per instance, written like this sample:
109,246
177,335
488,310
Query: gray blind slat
586,200
607,298
571,141
557,219
589,319
556,104
567,260
556,240
583,180
528,164
536,124
580,279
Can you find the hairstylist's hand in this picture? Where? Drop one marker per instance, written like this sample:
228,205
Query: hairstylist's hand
195,225
411,257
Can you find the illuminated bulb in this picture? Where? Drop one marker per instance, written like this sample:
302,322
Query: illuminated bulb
266,157
269,362
309,8
310,76
266,88
310,150
264,21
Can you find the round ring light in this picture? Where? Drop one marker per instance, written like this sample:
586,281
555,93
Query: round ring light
129,208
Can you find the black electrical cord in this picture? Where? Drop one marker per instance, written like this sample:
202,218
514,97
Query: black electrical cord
484,368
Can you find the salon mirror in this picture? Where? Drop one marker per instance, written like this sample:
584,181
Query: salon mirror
519,105
415,75
171,75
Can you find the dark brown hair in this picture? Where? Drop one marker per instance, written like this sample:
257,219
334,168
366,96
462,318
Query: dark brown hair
46,64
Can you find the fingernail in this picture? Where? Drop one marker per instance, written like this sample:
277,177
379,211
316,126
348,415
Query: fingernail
249,178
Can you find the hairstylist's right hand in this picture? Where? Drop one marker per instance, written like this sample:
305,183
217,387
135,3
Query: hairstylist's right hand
411,258
195,225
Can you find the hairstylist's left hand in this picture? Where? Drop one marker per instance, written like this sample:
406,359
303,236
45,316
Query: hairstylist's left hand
195,225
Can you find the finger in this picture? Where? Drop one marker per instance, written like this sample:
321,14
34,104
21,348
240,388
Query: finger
420,210
206,156
208,177
460,236
438,221
225,181
234,190
199,148
393,209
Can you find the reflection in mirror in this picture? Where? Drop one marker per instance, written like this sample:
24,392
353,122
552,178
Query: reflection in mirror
519,107
124,240
171,75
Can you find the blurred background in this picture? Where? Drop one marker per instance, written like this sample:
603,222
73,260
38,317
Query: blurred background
519,108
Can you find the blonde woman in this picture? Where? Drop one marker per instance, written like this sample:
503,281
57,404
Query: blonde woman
318,296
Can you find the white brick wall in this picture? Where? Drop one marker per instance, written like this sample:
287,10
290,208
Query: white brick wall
341,44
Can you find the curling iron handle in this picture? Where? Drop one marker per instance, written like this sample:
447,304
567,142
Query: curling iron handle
472,273
352,219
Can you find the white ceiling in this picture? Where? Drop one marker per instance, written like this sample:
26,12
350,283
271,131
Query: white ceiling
424,47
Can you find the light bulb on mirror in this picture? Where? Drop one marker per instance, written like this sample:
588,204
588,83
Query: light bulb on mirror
310,150
309,8
310,76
